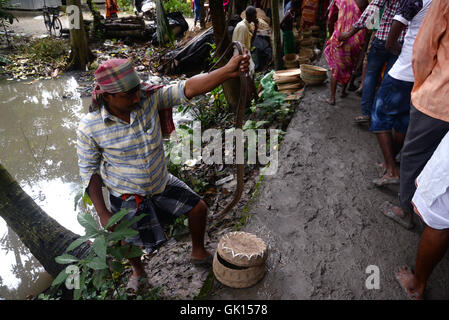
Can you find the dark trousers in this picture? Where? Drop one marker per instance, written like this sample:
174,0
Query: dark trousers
423,136
377,57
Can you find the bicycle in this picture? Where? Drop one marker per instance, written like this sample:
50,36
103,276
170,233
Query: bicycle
51,20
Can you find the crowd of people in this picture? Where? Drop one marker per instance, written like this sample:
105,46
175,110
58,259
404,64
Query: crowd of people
403,99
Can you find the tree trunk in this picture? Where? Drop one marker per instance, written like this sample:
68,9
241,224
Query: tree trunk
95,31
277,47
231,88
203,15
45,237
81,54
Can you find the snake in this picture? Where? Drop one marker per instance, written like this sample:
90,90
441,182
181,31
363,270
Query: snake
247,90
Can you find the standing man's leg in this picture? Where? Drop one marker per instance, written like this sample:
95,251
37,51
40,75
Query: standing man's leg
423,137
376,60
197,218
431,249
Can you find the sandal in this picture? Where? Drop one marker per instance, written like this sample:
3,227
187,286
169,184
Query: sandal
404,221
386,180
134,284
381,170
362,119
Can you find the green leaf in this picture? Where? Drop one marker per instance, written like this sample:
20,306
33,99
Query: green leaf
75,244
128,223
66,259
116,266
99,247
116,218
88,222
61,277
86,199
122,234
77,198
97,264
99,278
116,252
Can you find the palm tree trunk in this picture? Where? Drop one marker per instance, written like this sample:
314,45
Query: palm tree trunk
45,237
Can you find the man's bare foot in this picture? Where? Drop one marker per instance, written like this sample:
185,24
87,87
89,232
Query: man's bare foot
331,101
408,282
343,94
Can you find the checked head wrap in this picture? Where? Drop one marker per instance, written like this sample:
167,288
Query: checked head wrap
118,75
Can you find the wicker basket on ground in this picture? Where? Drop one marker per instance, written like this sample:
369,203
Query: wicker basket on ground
313,75
239,261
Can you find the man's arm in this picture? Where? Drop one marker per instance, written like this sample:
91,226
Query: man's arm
427,41
89,158
392,43
406,12
361,23
203,83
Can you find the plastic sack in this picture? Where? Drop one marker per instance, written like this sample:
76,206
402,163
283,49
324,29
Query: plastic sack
269,88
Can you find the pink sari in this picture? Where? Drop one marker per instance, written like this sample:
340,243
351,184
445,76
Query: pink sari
342,56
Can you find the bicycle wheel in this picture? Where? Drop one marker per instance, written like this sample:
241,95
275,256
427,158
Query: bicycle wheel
57,27
47,21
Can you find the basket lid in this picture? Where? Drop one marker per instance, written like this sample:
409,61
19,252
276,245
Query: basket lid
242,249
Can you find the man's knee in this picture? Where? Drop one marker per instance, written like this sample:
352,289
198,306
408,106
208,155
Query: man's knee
200,209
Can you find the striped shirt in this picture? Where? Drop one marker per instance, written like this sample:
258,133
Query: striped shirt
129,157
391,7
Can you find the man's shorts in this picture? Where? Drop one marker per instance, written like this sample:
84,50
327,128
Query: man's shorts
391,108
161,209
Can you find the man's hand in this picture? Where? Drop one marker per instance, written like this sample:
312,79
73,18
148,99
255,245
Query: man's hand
232,66
104,218
344,36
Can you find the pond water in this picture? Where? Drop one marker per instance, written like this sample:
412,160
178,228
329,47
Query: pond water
37,146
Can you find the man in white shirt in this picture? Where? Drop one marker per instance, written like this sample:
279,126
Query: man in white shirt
431,203
391,111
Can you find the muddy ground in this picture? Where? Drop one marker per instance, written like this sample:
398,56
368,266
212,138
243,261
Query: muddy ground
319,214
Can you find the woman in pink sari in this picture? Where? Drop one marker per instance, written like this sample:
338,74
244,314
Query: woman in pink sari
342,56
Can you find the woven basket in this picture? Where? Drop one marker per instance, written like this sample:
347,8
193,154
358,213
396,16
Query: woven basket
290,86
287,76
313,80
290,60
309,69
240,259
306,53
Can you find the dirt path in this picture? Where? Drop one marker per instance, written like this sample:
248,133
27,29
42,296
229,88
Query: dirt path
319,214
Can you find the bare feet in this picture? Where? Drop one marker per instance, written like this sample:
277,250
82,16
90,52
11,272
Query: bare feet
331,101
408,282
343,94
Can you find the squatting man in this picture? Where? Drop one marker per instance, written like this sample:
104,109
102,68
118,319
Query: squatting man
119,145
